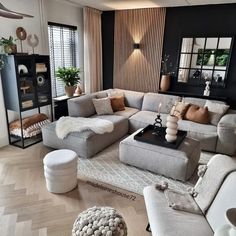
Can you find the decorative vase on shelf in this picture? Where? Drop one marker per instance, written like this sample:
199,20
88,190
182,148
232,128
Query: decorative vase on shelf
165,83
78,90
230,228
171,128
70,90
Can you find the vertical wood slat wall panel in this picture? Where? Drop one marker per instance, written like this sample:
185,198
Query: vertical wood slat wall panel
138,70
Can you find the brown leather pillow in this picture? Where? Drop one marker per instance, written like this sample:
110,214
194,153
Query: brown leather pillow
197,114
117,103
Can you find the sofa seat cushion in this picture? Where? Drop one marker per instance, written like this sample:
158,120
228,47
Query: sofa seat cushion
205,133
165,221
128,112
143,118
87,143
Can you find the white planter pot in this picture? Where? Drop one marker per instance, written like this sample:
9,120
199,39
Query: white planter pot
171,128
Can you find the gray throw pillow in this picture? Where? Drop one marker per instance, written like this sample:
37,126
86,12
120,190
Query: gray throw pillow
216,111
103,106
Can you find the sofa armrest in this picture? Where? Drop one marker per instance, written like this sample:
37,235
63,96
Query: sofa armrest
81,106
226,130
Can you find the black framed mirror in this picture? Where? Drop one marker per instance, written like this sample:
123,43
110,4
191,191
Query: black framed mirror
204,59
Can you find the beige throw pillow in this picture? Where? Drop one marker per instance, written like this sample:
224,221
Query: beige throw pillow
179,109
216,111
103,106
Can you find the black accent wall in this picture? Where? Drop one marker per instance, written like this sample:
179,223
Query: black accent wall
108,18
210,20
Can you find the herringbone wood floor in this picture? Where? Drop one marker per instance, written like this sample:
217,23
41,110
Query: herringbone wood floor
28,209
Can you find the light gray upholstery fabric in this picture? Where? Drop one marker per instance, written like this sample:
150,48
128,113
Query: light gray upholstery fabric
86,144
151,102
81,106
143,118
226,131
206,134
225,199
199,101
165,221
128,112
175,163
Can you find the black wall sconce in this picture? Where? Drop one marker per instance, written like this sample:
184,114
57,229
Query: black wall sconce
136,45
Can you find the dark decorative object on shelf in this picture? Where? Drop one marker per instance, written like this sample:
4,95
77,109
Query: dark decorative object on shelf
157,124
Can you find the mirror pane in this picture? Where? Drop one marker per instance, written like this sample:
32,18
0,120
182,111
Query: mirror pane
219,76
196,60
187,45
207,74
211,43
198,43
222,57
185,60
225,43
183,75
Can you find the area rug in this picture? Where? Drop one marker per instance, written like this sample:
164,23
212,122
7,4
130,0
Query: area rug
106,167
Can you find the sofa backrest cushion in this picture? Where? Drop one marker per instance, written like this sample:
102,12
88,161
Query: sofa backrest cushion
81,106
225,199
132,98
151,102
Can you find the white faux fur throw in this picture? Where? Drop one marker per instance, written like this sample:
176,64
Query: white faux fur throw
67,124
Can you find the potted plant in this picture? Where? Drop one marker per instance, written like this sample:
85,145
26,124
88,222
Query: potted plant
70,77
166,71
8,45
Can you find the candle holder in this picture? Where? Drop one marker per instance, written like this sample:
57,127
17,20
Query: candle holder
157,125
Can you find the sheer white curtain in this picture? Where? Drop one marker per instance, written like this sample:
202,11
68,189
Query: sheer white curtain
92,50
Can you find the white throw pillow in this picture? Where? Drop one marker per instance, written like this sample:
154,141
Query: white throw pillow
103,106
216,111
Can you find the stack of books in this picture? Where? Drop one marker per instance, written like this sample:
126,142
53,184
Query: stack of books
26,104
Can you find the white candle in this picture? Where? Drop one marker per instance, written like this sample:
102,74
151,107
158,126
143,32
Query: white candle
159,108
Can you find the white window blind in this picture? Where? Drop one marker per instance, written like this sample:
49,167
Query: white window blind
62,46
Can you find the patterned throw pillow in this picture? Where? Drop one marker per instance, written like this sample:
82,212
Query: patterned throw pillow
197,114
216,111
117,103
103,106
179,109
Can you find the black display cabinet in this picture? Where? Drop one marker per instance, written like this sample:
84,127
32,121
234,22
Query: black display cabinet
26,86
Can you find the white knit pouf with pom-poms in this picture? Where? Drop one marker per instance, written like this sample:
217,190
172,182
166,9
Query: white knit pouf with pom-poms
99,221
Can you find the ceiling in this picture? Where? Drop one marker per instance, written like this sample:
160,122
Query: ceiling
106,5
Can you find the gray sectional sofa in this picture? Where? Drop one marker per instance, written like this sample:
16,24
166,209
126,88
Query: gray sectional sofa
165,221
141,110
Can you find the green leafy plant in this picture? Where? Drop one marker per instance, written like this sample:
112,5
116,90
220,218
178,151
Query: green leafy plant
8,45
70,76
7,42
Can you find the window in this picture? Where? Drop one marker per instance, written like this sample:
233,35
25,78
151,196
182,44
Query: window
62,47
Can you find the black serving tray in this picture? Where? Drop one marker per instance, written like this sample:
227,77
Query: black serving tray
148,135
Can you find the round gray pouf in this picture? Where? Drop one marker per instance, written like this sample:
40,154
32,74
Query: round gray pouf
60,170
99,221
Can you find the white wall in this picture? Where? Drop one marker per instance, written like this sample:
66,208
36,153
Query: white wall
54,11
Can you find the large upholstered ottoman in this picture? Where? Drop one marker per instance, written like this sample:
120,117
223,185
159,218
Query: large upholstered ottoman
175,163
60,170
86,144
